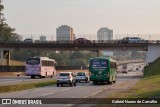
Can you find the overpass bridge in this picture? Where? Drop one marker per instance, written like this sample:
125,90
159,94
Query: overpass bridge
152,47
68,46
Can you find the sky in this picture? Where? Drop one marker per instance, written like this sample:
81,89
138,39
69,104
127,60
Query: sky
84,16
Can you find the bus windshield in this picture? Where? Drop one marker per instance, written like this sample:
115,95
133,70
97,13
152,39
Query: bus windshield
32,61
99,63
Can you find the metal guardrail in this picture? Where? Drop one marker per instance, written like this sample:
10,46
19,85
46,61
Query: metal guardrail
91,42
12,68
22,68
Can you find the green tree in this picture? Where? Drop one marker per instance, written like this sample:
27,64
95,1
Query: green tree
7,34
62,58
76,55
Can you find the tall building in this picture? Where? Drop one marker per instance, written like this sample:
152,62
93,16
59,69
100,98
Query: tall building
105,34
64,32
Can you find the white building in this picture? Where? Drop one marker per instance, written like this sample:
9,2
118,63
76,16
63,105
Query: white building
64,33
105,34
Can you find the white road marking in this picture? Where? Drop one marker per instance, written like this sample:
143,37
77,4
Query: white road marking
54,92
79,86
93,93
65,89
69,105
47,94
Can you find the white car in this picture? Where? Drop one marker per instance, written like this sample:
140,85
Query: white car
136,40
82,76
66,78
133,40
28,40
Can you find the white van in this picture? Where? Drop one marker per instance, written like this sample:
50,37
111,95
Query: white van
133,40
28,40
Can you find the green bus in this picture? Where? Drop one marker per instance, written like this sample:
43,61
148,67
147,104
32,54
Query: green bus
102,70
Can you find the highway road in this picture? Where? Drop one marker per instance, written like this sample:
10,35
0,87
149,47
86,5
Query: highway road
27,79
82,90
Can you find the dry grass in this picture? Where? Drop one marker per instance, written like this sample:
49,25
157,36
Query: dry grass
19,87
12,62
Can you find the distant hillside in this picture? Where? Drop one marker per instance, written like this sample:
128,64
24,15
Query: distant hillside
12,62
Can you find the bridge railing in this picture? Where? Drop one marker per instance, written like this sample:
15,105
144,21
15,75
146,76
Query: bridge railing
72,42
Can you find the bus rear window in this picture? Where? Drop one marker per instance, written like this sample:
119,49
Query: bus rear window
99,63
32,61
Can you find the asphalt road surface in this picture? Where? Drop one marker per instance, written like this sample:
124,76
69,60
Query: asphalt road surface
82,90
26,79
21,79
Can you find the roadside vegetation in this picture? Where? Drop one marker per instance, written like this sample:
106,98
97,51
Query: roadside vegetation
148,87
25,86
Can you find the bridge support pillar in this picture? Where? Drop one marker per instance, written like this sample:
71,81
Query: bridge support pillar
153,53
5,54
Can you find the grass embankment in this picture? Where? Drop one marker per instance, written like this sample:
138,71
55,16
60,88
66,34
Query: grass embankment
148,87
12,62
19,87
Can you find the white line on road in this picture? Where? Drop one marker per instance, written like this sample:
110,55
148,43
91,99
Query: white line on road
47,94
79,86
65,89
54,92
70,105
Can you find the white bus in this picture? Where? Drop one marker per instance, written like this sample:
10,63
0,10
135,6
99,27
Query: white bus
40,66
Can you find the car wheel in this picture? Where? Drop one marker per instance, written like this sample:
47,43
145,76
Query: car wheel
74,84
71,84
57,85
61,84
76,81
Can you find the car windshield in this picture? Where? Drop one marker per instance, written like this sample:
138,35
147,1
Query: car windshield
64,74
81,74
